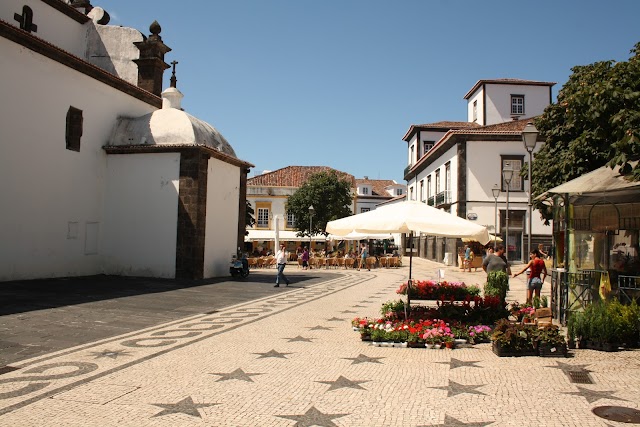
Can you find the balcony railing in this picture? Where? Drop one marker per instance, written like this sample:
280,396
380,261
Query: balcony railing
406,172
443,198
431,201
572,292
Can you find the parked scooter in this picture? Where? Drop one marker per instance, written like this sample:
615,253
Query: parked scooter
239,267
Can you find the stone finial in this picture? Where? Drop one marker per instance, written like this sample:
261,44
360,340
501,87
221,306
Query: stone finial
151,63
155,30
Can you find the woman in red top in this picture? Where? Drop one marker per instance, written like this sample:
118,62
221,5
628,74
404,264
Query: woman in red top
536,267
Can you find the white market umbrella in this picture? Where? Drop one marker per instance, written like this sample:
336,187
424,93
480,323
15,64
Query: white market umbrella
360,236
409,217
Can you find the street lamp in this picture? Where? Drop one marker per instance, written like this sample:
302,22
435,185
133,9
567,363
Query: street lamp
530,138
496,192
311,212
507,176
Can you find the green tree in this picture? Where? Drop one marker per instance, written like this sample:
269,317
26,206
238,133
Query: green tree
249,220
595,122
330,196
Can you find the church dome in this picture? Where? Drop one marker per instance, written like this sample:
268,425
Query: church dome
169,126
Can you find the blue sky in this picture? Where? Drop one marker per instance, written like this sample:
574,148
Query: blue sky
338,82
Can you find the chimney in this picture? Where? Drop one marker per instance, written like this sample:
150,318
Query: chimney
151,63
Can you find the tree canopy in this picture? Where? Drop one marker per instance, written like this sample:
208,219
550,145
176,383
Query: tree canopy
595,122
331,199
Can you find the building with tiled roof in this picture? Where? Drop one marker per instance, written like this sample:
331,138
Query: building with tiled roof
268,193
455,165
372,192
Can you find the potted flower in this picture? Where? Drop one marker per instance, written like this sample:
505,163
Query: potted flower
448,340
550,342
513,339
479,334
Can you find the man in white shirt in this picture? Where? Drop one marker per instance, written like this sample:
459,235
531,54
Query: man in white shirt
281,261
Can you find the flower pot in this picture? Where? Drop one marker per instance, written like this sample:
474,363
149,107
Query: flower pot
429,346
552,350
413,344
449,344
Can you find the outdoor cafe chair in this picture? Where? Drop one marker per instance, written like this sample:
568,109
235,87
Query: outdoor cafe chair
384,262
349,262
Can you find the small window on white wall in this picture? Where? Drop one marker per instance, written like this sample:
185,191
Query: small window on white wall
475,110
291,220
363,210
364,190
399,192
263,218
517,105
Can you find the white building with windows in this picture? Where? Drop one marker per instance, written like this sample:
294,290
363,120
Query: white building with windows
372,192
455,165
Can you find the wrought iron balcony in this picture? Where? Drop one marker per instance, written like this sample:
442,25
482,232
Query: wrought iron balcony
443,198
431,201
406,172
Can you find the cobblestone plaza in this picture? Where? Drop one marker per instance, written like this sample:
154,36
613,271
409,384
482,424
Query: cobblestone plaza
289,357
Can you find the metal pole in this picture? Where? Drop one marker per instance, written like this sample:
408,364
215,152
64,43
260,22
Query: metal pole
495,224
530,206
506,241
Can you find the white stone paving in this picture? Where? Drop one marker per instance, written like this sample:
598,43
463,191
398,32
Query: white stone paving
277,365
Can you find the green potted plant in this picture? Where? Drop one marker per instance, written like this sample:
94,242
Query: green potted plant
497,284
550,342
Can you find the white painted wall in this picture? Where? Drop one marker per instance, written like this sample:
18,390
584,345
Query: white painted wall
223,192
484,170
476,97
498,97
141,213
45,187
53,26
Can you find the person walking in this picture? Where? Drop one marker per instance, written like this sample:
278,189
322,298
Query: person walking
536,268
363,257
281,261
305,258
496,262
468,258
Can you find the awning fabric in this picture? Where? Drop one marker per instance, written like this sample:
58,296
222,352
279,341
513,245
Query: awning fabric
285,235
601,180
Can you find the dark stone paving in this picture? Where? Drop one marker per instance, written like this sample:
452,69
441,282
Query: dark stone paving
42,316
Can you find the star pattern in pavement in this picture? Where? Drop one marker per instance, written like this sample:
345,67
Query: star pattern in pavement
112,354
457,363
335,319
593,395
238,374
366,302
363,359
313,417
185,406
343,382
452,422
454,389
319,328
566,367
348,311
272,353
299,338
359,306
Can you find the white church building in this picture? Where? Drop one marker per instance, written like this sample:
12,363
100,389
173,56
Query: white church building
101,171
